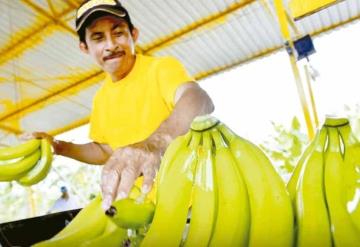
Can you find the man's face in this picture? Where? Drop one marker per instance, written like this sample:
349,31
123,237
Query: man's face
111,44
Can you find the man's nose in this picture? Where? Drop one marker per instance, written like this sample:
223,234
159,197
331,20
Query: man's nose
110,44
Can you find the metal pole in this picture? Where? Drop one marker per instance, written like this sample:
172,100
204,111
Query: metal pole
290,47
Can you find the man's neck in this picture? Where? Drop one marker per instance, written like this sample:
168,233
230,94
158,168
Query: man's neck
128,66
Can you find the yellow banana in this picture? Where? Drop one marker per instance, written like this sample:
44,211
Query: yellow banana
233,215
270,205
20,150
292,184
173,198
343,230
171,153
313,226
113,236
203,207
13,171
40,171
88,224
351,173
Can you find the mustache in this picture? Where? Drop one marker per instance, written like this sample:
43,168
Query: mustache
114,54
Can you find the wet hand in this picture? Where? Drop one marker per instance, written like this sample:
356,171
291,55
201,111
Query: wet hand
124,166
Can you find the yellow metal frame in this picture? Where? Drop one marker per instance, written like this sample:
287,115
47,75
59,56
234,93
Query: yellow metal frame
311,95
283,22
36,32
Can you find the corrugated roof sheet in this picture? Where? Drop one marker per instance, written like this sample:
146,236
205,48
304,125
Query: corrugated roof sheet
46,83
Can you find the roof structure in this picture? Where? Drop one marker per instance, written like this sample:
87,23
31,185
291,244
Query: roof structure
47,84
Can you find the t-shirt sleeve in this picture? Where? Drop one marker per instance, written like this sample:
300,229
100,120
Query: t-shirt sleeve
171,74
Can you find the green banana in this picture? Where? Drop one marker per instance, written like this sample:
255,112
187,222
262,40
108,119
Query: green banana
173,198
292,184
170,154
351,173
113,236
132,214
232,216
40,171
313,226
343,230
270,205
203,209
90,223
20,150
13,171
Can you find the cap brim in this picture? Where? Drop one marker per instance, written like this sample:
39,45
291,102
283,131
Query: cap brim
118,13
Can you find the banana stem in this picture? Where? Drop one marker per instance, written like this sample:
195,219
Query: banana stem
218,140
228,133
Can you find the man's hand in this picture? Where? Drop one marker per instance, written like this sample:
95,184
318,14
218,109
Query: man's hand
38,135
124,166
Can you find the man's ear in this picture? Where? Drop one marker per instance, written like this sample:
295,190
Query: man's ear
83,47
135,33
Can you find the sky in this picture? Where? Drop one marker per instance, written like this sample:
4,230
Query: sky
248,98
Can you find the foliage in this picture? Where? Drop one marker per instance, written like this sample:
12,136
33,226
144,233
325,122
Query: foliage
81,180
285,146
353,113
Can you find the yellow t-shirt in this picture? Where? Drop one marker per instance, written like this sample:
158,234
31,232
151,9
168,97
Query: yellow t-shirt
130,110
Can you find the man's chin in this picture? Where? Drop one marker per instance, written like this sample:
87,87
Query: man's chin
112,68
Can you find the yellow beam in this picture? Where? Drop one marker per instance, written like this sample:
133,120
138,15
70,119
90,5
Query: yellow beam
74,3
51,7
10,129
283,22
164,41
21,79
311,94
21,42
48,96
303,8
55,19
32,203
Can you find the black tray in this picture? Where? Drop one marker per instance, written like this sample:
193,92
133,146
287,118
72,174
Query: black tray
32,230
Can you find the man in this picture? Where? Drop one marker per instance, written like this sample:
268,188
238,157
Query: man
65,202
144,103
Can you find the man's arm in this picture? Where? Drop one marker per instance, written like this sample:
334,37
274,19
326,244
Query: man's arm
91,153
190,101
126,164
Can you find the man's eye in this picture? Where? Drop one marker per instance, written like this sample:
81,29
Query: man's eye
97,38
120,33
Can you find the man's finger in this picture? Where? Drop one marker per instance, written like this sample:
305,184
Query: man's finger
110,178
149,177
128,177
26,136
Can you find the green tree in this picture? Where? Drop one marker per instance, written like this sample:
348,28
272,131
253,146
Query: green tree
285,146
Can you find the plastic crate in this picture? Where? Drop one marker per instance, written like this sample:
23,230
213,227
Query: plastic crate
32,230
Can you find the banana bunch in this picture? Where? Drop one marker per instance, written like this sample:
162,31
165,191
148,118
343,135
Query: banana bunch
27,163
236,196
325,188
89,228
93,227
